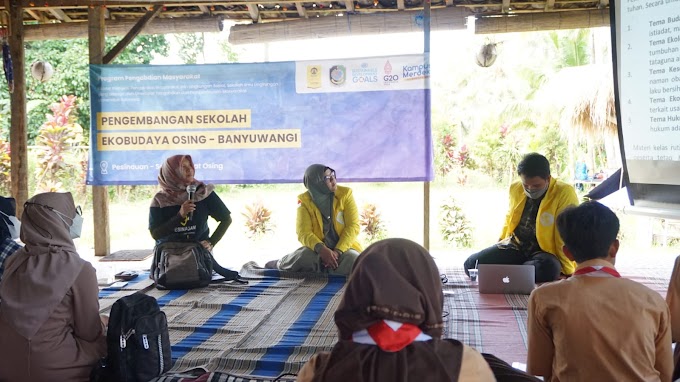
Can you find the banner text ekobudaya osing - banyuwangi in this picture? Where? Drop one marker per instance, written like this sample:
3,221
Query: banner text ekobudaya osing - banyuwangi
263,123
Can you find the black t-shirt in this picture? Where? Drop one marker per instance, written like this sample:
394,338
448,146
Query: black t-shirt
525,232
195,229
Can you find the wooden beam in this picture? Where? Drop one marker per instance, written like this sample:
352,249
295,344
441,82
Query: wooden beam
123,43
349,5
204,9
301,10
254,12
59,14
529,22
63,31
18,134
449,3
549,5
505,6
100,196
400,5
35,14
604,3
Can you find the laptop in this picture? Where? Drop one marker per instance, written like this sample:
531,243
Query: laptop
506,279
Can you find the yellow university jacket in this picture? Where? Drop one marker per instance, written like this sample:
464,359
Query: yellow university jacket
559,196
345,220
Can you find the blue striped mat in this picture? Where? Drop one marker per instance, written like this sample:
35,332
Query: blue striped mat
247,332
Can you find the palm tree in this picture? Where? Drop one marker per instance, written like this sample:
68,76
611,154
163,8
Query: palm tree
582,92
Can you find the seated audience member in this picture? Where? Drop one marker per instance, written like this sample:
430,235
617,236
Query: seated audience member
327,226
673,300
529,235
394,285
9,229
50,327
173,217
597,326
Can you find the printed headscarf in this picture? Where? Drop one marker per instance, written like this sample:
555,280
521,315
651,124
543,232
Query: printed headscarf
321,195
396,280
171,180
38,276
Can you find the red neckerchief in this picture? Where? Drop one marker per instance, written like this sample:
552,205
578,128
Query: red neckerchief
389,339
608,271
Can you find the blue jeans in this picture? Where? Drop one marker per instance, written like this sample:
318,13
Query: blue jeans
547,265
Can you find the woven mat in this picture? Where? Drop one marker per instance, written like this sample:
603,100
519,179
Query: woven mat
129,255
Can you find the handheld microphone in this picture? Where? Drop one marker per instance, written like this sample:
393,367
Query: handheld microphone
191,190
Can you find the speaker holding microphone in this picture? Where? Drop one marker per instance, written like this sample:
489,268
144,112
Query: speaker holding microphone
191,190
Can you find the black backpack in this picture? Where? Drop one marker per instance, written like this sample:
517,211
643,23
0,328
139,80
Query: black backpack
137,340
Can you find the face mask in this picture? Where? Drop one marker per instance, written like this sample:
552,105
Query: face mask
535,194
14,226
76,226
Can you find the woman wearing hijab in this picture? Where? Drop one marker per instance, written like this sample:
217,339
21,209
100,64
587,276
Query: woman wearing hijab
390,324
50,328
327,226
9,230
174,216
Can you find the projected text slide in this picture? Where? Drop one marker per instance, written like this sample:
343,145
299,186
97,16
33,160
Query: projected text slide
649,87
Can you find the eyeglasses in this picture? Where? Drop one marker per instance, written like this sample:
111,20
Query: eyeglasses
329,177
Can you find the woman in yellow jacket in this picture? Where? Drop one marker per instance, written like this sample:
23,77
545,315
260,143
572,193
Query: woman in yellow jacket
530,235
327,226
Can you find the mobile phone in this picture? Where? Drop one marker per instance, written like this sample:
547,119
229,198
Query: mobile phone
126,275
118,285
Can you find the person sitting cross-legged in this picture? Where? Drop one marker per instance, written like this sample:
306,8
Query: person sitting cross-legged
596,325
327,226
529,235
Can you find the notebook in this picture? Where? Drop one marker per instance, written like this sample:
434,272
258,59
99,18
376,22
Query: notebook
505,279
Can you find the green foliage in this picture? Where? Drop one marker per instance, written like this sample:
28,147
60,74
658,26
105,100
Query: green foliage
69,58
551,142
572,47
228,51
258,220
57,136
372,224
455,227
191,46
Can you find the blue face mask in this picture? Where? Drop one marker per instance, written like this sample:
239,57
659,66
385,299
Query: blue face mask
76,226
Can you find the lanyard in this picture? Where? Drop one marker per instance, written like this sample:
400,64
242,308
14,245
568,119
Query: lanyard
597,271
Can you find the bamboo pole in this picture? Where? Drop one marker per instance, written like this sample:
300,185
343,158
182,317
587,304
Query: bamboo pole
528,22
427,14
65,31
100,196
348,25
18,135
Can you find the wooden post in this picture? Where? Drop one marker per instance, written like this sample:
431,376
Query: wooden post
100,196
426,186
18,134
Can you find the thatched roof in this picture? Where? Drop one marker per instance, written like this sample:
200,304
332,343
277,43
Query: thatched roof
48,19
585,94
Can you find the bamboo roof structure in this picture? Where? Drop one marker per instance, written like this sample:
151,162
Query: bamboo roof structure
271,20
